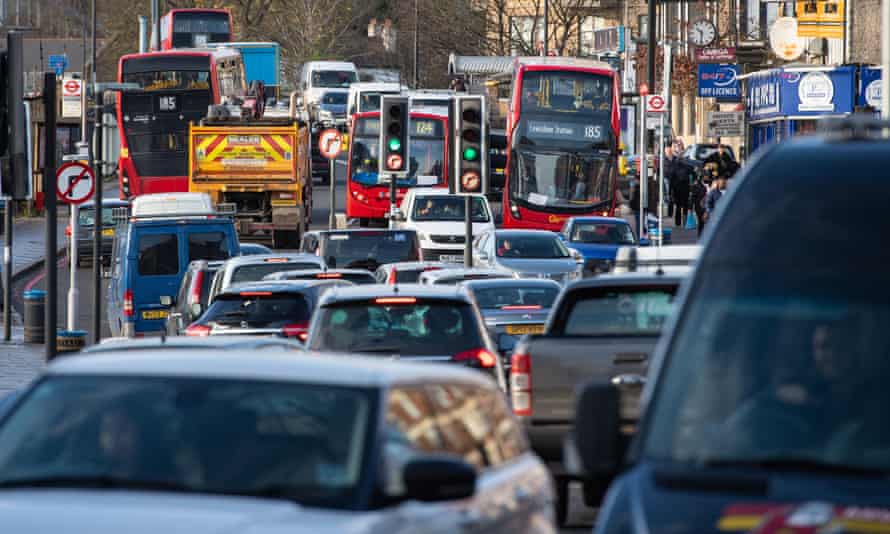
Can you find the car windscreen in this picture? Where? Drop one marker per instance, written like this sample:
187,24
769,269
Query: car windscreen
179,434
620,311
406,326
258,309
257,271
333,78
210,246
356,278
530,246
780,352
604,233
369,250
158,254
336,99
448,208
490,298
87,216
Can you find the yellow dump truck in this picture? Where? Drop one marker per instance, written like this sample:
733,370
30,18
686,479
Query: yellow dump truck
260,166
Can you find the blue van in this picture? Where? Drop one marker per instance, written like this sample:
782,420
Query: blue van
150,256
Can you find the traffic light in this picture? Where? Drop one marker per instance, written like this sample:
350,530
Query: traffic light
394,157
13,160
471,145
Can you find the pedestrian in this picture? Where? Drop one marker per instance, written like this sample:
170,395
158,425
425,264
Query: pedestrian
670,163
714,196
680,191
723,161
698,191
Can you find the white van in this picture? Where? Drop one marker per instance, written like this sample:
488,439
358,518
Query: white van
316,77
365,96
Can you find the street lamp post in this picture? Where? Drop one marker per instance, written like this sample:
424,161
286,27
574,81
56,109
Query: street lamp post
416,49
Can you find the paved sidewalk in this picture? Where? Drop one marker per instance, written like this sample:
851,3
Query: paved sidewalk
19,363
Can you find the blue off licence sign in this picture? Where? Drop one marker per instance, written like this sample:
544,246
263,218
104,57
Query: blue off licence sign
719,80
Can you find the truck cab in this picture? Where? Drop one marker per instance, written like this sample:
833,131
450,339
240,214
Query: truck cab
152,251
317,77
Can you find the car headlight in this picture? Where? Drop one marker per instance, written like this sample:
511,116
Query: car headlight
422,236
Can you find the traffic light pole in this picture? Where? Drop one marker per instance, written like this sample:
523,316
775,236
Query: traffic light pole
96,165
7,270
392,202
49,196
468,235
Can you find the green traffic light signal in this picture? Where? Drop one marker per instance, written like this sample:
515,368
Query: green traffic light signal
394,144
470,153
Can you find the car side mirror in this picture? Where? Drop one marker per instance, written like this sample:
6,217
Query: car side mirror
576,255
166,301
438,479
597,433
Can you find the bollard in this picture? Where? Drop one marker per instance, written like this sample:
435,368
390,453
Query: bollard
70,341
35,316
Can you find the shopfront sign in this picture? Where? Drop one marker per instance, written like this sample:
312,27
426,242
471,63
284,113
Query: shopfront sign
803,92
719,80
816,92
869,93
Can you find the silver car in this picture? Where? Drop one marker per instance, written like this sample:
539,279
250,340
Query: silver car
245,269
529,253
218,442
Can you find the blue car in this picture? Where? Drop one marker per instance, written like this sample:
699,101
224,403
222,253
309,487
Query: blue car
149,258
598,240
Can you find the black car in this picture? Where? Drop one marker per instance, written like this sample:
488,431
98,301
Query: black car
191,299
513,307
263,308
766,405
86,216
407,322
362,249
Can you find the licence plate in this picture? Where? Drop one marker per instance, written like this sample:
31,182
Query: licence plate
520,329
451,258
108,232
154,314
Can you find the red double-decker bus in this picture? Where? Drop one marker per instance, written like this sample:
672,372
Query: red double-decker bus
562,131
367,199
195,28
177,86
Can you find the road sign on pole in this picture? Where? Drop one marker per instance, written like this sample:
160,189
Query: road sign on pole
655,104
75,183
330,142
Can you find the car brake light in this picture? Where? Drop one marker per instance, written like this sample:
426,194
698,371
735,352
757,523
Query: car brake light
195,295
128,303
329,275
197,330
521,383
521,307
256,293
395,300
392,278
276,260
68,230
297,330
481,356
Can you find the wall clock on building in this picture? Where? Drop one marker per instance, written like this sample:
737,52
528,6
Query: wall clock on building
702,32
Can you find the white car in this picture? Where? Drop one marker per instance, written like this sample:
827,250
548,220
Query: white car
438,219
265,442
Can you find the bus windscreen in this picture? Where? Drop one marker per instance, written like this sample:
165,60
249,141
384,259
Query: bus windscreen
426,152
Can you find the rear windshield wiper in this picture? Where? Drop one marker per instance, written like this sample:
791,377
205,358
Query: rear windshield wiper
95,481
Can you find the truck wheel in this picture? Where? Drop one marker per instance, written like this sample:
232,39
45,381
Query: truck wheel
285,239
562,502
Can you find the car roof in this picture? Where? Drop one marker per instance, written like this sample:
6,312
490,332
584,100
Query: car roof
406,265
599,218
626,280
107,203
255,259
341,294
436,192
360,231
520,233
206,264
281,275
276,286
511,282
235,342
272,365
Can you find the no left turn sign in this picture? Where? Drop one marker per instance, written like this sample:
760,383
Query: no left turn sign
655,104
75,183
330,143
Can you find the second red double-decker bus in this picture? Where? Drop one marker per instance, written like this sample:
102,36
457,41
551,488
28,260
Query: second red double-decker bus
367,198
562,137
177,86
195,28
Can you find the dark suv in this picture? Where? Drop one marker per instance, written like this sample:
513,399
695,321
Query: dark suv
766,404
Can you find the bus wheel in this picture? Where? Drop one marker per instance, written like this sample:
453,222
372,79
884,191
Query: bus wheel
285,239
